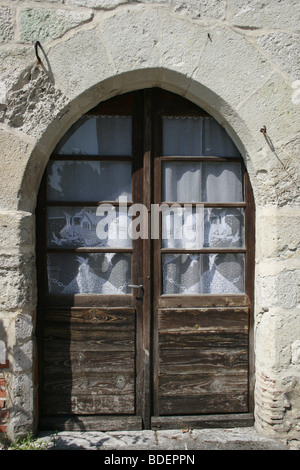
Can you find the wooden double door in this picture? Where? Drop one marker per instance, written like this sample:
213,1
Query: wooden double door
145,223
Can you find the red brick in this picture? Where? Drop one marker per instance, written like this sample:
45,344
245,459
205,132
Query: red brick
4,366
2,428
4,414
2,382
2,393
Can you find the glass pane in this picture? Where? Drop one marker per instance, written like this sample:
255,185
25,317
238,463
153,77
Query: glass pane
223,227
183,227
115,135
83,226
95,273
88,180
182,182
192,136
216,141
195,227
207,182
222,182
98,135
182,136
203,273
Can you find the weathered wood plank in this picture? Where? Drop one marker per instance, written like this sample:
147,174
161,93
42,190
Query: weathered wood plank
80,384
230,420
91,423
172,361
203,383
99,404
58,339
94,318
89,360
203,339
87,300
203,360
207,300
223,319
209,403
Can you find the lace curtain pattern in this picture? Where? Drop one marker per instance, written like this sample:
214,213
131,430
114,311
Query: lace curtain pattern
182,181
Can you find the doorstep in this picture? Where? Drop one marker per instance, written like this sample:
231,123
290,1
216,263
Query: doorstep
183,439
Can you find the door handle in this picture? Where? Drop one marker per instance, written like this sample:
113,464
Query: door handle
138,286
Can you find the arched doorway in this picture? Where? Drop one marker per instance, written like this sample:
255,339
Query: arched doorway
145,270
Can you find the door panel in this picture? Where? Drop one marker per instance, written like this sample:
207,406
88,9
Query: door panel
202,300
89,361
203,361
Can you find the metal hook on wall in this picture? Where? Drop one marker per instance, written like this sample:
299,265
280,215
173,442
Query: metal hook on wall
36,46
263,130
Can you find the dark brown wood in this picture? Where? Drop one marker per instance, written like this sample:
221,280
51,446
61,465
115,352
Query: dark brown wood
207,300
249,278
203,361
91,423
162,101
90,250
179,106
147,267
204,250
89,361
87,300
87,158
178,158
206,421
206,204
118,105
137,256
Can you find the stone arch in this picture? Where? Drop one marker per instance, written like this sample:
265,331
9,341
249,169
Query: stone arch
169,80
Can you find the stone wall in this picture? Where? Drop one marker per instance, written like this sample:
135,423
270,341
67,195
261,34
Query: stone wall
4,406
239,60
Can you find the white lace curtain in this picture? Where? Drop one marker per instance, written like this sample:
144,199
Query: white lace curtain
202,182
183,182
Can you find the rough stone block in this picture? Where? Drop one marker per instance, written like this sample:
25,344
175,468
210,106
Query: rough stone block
16,230
265,14
80,62
23,357
277,233
17,282
13,60
283,49
109,4
296,353
44,25
132,37
23,327
201,9
97,4
181,44
15,153
2,352
33,103
6,24
277,333
221,69
282,119
280,290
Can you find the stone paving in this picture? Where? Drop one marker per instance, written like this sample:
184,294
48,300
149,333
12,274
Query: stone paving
185,440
